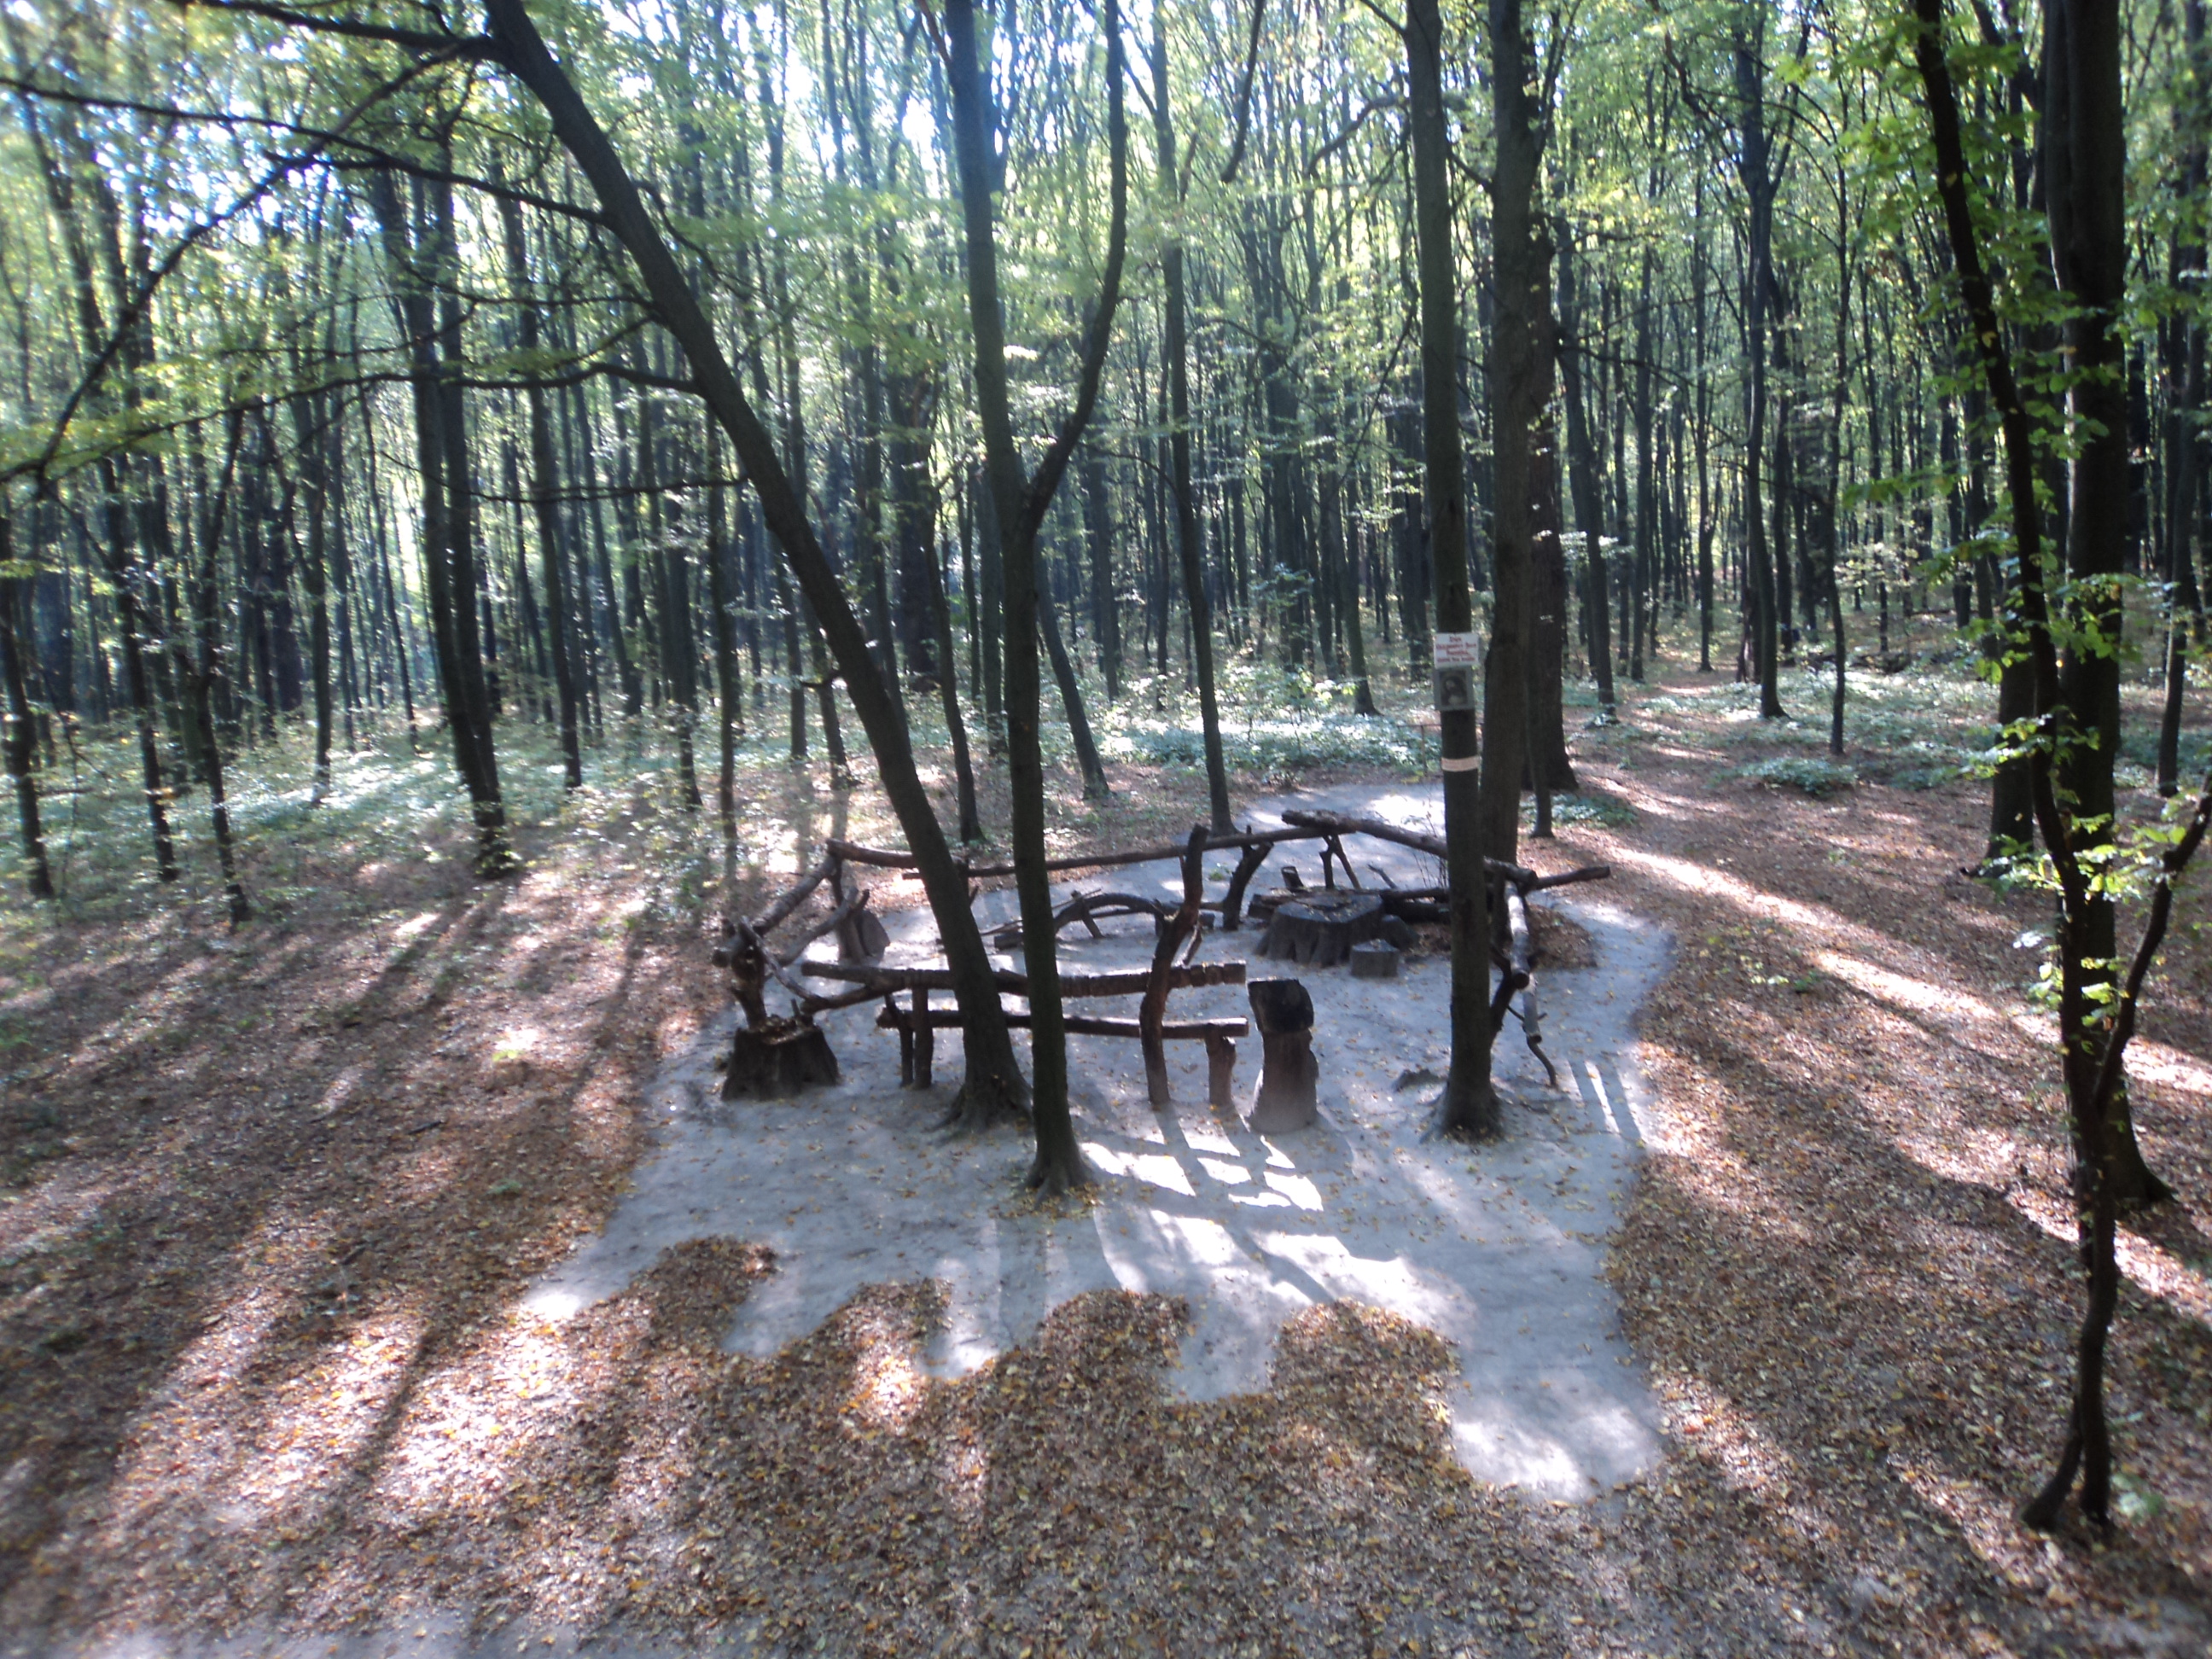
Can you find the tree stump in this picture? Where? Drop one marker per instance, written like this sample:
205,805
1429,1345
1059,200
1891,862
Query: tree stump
1318,928
775,1060
860,936
1375,960
742,955
1282,1012
1221,1070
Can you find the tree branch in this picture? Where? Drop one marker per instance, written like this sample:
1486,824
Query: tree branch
1244,94
480,47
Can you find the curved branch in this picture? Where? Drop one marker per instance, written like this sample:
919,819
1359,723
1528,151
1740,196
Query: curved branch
446,46
1053,461
1244,94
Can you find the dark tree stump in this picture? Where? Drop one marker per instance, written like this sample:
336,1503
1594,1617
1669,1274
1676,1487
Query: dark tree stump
1289,1075
776,1061
1318,928
1375,960
860,936
742,955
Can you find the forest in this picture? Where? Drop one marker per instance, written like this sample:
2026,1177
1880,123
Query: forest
518,522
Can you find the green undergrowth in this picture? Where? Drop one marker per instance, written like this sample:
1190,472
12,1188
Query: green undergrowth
388,804
1275,722
1606,811
1820,779
1927,727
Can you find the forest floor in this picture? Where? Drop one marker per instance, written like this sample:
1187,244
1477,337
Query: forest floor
269,1203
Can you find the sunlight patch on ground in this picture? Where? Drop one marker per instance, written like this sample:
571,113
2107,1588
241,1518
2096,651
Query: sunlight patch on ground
2149,1264
2156,1062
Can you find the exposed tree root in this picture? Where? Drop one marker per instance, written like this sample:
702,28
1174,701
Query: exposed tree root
1466,1114
985,1102
1055,1176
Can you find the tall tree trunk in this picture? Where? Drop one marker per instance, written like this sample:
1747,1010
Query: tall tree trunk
2086,160
1469,1104
441,460
402,648
1520,385
1704,429
1839,400
1070,700
1754,167
2085,157
309,416
915,415
2185,439
136,355
1549,767
466,585
1647,516
729,697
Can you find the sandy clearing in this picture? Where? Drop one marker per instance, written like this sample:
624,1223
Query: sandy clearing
1496,1249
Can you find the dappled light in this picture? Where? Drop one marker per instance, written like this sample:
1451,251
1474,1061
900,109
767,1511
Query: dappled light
1020,831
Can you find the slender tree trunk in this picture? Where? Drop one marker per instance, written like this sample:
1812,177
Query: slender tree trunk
2086,155
1105,602
1549,767
1520,385
119,552
448,550
1754,165
2185,441
1022,501
469,700
21,742
402,648
948,680
1071,698
729,696
1839,402
1704,429
1589,479
207,630
309,416
993,1084
545,484
2087,159
1177,348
